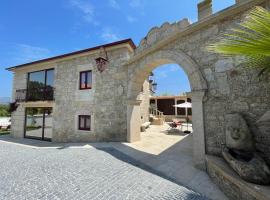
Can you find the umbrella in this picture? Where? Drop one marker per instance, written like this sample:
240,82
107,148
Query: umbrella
185,105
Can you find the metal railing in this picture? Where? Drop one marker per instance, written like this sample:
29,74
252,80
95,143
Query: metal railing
39,94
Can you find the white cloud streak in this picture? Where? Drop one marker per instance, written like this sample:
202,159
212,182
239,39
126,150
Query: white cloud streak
131,19
87,10
108,35
26,53
114,4
135,3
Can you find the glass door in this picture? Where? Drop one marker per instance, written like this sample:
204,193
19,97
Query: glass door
47,123
38,123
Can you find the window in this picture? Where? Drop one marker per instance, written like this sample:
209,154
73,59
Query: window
40,85
85,122
85,80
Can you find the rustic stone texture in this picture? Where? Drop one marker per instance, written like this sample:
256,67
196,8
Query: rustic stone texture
254,170
238,136
231,184
230,86
105,102
263,140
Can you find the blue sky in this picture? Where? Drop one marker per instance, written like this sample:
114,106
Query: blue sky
35,29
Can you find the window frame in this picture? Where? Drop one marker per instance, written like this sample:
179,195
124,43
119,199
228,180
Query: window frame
86,79
84,118
44,97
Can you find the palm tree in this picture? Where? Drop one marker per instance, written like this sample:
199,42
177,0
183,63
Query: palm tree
251,39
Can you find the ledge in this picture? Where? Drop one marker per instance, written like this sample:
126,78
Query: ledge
231,184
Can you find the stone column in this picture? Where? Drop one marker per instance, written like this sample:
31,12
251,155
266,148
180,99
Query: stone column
133,121
198,129
175,108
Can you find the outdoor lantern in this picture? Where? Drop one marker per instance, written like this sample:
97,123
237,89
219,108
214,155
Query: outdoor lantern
102,60
154,86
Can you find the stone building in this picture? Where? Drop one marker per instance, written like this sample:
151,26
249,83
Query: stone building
67,99
166,105
112,108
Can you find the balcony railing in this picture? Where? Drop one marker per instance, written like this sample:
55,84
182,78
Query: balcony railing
40,94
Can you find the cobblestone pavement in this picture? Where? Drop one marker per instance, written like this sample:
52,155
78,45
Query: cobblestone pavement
72,173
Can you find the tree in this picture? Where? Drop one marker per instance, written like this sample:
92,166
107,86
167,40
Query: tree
4,111
251,39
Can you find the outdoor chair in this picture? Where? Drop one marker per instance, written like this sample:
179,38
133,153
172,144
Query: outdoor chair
174,125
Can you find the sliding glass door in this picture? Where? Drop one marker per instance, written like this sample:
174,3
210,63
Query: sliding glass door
38,123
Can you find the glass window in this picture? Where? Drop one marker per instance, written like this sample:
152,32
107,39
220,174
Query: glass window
181,111
85,122
40,85
85,80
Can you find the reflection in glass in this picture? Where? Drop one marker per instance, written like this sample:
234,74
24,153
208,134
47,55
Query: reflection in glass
36,84
49,85
48,123
40,85
34,122
38,123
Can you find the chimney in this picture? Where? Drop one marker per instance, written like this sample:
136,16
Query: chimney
205,9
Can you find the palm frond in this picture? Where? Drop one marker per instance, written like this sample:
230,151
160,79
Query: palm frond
250,39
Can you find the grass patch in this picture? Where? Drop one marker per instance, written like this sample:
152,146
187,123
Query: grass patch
4,132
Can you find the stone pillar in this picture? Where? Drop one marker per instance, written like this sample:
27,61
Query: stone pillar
204,9
198,129
175,108
133,121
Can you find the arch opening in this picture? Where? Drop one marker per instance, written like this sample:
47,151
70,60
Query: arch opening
139,72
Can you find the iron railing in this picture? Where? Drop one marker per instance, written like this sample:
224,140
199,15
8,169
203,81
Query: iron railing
39,94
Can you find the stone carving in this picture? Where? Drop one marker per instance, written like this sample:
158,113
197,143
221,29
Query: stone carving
238,136
159,33
240,154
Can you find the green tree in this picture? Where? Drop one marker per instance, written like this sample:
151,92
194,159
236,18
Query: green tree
4,111
251,39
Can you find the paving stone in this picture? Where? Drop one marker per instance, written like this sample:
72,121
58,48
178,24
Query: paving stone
71,173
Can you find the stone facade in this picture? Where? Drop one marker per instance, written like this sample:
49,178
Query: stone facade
105,101
219,86
227,84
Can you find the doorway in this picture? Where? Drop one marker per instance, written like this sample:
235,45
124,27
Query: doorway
38,123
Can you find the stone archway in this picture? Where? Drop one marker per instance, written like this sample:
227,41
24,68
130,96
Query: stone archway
140,69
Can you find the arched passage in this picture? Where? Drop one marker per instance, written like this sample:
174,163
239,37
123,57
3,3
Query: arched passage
140,69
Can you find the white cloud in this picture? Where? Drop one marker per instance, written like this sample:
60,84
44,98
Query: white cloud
174,68
87,10
135,3
114,4
108,35
26,53
131,19
162,74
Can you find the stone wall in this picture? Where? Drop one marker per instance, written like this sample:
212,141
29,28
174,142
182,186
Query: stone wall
105,102
231,85
17,118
